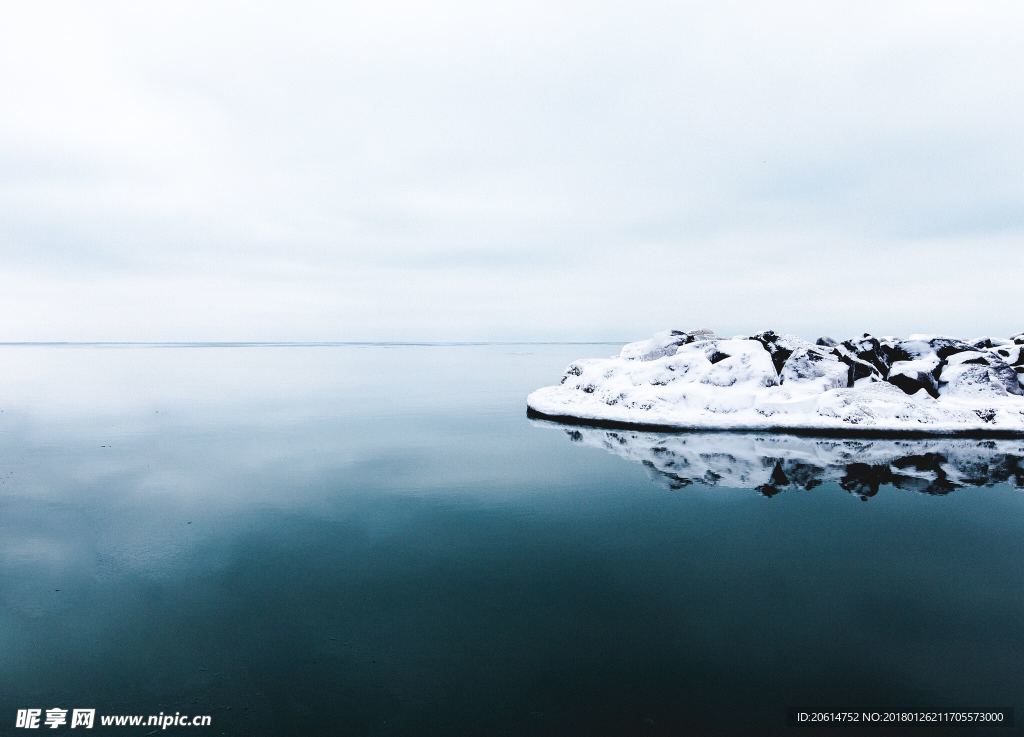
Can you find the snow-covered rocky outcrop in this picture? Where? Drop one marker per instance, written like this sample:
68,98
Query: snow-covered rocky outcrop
775,462
697,380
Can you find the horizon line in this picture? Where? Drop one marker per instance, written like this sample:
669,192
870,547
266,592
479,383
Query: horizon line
292,343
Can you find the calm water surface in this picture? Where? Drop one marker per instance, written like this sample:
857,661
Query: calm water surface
375,540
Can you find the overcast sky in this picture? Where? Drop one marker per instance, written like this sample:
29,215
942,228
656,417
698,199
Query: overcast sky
509,170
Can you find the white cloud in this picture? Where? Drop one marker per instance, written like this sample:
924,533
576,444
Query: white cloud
510,170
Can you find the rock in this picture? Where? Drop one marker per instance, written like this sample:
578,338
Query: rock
989,342
916,364
912,349
1013,354
779,347
1018,339
920,370
946,347
665,343
867,349
737,362
891,352
815,366
913,381
977,372
825,341
770,382
858,369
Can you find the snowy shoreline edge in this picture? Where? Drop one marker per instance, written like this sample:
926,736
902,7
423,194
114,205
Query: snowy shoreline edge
681,381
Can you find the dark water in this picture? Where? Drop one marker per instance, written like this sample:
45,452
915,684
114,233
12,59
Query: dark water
376,541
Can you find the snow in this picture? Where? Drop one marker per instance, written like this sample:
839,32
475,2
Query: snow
774,462
696,380
815,369
916,366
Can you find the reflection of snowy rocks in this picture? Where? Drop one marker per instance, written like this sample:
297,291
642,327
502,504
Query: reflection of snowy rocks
694,379
773,463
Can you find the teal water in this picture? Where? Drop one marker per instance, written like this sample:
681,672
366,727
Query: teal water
375,540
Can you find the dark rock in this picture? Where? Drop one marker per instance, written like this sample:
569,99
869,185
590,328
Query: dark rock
910,350
891,353
984,371
717,356
861,370
858,369
776,347
662,344
825,341
946,347
870,350
573,370
814,364
914,382
1012,354
682,337
1018,339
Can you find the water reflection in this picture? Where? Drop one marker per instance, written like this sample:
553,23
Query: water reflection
371,541
773,463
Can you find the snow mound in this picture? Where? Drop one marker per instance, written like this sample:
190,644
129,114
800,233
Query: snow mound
773,463
696,380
